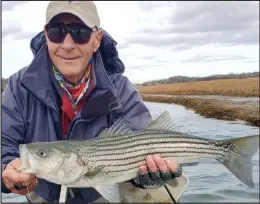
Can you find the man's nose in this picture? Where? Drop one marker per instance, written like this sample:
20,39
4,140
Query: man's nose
68,42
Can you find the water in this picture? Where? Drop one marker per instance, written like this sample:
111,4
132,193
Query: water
210,181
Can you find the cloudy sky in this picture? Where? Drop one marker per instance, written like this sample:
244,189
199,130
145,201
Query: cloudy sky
155,39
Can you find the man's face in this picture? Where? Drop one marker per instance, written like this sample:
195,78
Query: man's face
69,57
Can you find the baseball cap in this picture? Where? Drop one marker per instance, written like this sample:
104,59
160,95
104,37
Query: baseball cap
85,10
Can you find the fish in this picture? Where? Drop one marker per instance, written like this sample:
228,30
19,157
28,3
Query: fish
115,155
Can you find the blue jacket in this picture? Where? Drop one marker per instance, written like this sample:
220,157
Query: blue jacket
31,108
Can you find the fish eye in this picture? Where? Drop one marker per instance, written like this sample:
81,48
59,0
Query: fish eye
42,153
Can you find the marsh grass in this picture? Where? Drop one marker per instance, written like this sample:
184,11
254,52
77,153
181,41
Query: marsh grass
210,108
228,87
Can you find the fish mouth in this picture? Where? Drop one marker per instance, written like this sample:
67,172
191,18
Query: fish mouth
26,164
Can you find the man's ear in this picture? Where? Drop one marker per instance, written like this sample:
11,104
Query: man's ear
45,33
99,35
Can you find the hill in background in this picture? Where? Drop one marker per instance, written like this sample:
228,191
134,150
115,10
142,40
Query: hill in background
183,79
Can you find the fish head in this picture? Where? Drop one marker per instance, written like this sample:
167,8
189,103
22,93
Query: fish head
50,161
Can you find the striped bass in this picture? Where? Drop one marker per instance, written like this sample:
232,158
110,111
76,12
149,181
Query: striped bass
117,153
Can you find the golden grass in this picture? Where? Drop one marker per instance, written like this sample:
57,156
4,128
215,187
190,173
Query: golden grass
213,108
226,87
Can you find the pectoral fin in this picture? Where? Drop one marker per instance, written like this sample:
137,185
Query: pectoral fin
95,172
177,186
109,192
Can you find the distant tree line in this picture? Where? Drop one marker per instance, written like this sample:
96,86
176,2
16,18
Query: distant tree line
182,79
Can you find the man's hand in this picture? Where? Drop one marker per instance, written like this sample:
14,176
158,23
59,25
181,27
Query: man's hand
158,172
16,182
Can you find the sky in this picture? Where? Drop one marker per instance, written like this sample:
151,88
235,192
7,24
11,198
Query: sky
156,39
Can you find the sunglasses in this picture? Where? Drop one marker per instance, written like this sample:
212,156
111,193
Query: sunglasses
57,32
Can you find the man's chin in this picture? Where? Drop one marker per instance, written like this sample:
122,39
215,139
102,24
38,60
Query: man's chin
69,70
72,77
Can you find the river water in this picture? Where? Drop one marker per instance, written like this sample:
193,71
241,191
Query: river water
210,181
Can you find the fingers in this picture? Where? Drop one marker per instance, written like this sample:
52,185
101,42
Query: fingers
26,187
171,165
143,169
23,191
156,162
25,184
15,176
157,172
11,178
151,163
160,162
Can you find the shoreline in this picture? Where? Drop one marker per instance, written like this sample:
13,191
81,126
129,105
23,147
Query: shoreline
214,108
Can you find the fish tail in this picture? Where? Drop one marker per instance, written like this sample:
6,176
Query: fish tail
238,160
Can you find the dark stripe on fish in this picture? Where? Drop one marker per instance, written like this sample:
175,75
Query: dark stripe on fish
124,139
150,142
114,151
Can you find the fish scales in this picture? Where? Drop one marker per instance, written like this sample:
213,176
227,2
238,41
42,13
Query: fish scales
125,158
146,139
132,155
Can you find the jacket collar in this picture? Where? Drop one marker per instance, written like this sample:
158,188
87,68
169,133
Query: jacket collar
37,79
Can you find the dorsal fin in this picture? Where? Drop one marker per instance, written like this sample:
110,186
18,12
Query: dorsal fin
162,122
118,128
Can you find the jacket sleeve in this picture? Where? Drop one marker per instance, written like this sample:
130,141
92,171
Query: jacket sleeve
13,128
134,111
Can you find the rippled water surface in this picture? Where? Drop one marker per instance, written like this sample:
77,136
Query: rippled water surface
210,181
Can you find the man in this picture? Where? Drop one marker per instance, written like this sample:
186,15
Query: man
74,87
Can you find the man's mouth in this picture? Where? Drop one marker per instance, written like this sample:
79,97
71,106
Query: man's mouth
69,58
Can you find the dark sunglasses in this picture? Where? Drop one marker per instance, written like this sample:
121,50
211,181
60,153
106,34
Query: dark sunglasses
80,33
